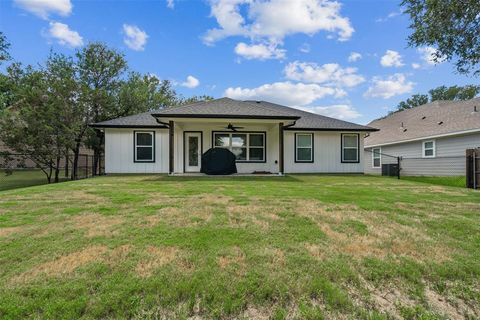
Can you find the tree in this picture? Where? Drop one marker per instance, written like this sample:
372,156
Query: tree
28,125
100,70
4,46
453,93
451,26
415,101
193,99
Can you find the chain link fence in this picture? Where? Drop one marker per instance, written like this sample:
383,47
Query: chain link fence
19,170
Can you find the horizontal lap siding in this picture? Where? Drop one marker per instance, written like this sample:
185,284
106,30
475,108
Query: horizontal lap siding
449,160
327,154
119,152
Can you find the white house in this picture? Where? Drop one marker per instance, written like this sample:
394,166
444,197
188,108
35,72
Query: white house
431,139
264,137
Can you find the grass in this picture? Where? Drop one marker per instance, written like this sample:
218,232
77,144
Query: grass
455,181
295,247
27,178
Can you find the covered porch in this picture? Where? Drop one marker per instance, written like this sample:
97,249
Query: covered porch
258,144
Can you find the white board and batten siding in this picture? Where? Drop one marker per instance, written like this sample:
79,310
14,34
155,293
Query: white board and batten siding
449,157
327,153
119,151
119,154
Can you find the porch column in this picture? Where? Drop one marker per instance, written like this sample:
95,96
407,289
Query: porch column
280,148
171,156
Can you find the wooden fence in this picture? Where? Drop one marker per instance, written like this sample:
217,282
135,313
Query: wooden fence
473,168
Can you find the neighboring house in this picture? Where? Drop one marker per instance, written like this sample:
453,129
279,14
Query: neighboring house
432,139
265,137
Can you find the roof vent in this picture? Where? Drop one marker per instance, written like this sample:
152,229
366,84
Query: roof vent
258,101
440,123
475,109
423,118
405,130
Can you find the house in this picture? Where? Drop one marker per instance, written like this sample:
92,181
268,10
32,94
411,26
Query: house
431,139
265,137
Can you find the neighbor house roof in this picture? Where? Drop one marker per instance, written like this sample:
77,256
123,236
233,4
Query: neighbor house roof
430,120
235,109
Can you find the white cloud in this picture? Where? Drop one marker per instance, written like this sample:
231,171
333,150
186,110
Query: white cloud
270,21
191,82
391,86
286,93
391,59
339,111
259,51
305,48
354,56
170,4
428,54
416,65
331,74
43,8
389,16
64,35
134,37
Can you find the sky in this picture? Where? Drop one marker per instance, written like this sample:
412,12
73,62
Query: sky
347,59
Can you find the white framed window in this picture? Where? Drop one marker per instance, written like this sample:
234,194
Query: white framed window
350,148
144,146
376,158
303,147
246,146
428,149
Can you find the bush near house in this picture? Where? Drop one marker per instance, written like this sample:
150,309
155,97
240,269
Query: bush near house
299,247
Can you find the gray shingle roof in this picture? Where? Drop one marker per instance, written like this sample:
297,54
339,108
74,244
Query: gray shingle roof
229,108
432,119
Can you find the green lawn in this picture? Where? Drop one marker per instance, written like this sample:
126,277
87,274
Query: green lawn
455,181
295,247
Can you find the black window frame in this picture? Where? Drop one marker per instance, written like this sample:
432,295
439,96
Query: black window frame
312,136
358,148
135,132
264,133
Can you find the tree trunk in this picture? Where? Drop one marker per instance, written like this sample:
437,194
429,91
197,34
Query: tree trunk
67,160
57,169
76,153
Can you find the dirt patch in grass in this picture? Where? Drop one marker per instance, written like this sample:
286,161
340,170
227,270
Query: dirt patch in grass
5,232
456,311
234,259
157,257
96,225
63,265
243,216
316,251
118,255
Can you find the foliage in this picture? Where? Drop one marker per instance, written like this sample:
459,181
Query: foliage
194,99
451,26
4,46
453,93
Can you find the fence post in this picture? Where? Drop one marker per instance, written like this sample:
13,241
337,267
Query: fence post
470,163
398,166
86,166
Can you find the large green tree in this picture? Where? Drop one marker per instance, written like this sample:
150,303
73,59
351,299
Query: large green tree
453,93
451,26
100,71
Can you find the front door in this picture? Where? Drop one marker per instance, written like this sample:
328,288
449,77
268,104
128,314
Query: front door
193,151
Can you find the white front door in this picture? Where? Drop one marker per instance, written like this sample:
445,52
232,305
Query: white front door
193,151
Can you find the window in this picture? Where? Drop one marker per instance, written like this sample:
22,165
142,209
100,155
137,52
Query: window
246,146
303,147
376,157
144,142
350,144
428,149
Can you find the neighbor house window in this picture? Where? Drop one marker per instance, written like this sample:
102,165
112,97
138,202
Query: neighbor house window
246,146
303,147
428,149
350,147
144,148
376,157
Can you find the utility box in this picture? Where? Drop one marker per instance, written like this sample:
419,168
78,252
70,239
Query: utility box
390,169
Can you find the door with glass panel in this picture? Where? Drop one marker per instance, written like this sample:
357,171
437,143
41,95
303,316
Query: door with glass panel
193,151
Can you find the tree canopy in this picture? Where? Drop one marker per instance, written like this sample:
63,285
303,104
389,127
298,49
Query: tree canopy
453,93
451,26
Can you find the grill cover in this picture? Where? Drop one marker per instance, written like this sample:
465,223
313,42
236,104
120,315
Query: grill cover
218,161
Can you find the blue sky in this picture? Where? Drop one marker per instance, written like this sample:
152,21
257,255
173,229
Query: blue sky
347,59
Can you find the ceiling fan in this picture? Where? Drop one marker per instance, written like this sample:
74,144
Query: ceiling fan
232,127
